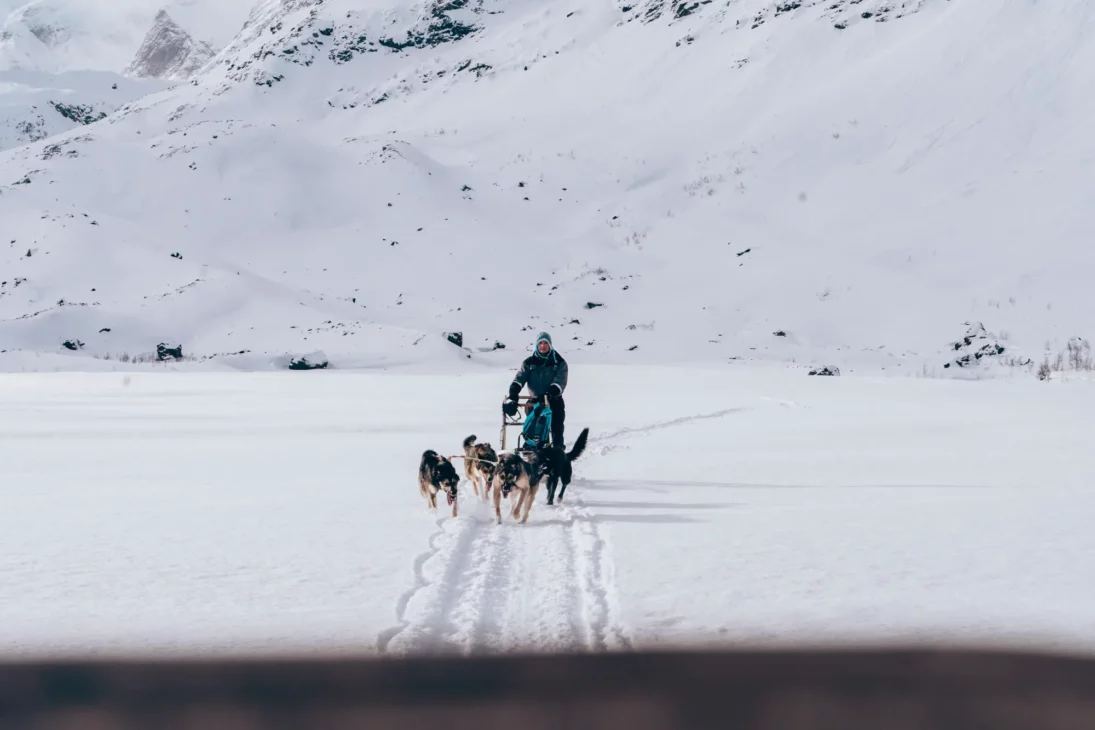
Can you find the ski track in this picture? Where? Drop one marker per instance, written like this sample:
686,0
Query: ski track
548,585
489,588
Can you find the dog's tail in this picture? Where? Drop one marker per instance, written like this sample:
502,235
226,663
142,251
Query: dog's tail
469,441
579,445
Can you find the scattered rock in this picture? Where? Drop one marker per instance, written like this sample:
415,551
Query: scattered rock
72,344
456,338
826,371
163,352
177,255
983,343
779,333
308,363
77,113
593,305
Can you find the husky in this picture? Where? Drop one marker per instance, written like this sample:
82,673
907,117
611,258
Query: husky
519,473
437,474
479,463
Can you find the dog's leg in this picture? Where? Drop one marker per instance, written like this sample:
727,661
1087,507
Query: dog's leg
455,502
563,490
552,481
518,500
530,499
495,486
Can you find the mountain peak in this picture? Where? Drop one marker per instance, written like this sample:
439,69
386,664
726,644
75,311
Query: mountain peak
169,52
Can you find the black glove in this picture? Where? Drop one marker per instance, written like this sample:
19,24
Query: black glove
510,408
514,391
554,392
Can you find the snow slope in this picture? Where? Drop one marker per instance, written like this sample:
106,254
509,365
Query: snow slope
272,513
848,175
102,35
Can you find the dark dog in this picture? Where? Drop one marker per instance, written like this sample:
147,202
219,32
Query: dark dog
479,464
557,465
437,474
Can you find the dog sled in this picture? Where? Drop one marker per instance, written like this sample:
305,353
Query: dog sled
521,418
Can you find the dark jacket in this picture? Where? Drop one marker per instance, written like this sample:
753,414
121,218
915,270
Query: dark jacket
540,373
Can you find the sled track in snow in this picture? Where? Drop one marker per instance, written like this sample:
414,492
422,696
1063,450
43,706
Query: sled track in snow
682,421
487,588
548,585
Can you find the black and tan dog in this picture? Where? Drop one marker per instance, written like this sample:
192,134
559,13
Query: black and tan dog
521,473
517,478
479,465
437,474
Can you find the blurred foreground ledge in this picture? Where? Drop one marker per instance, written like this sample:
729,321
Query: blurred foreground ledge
748,690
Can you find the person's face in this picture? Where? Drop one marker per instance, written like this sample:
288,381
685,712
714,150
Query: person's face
543,347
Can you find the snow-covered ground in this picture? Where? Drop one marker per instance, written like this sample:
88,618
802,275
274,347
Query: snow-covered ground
252,513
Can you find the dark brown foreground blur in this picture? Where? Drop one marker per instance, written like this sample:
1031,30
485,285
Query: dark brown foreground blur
731,691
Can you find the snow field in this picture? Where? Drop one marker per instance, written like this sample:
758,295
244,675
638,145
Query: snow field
279,513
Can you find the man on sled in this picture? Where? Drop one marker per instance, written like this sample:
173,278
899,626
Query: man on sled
544,373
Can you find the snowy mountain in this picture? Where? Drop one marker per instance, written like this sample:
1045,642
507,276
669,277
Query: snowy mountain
104,35
169,52
824,183
36,105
